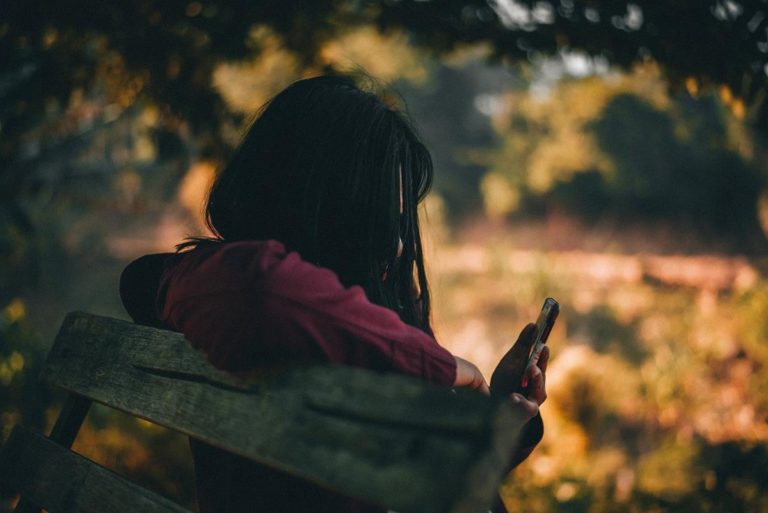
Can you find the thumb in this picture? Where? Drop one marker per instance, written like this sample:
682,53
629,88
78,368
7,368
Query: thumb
528,407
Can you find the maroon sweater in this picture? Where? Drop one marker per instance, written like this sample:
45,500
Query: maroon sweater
251,303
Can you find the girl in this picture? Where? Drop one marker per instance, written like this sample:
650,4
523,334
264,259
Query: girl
316,256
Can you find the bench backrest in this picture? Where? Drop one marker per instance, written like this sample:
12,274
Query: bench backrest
388,439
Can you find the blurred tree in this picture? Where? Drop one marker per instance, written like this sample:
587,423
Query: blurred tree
698,43
72,71
445,108
79,81
692,177
19,366
626,149
168,51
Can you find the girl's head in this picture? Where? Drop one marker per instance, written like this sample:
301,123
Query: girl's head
322,169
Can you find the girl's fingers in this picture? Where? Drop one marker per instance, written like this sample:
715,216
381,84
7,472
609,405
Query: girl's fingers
544,359
535,378
536,388
468,375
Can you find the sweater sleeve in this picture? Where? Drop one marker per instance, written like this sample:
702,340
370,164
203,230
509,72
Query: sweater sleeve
251,303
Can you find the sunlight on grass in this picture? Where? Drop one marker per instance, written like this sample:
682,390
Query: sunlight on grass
656,368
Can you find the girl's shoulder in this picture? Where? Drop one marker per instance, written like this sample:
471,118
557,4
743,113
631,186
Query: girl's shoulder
220,267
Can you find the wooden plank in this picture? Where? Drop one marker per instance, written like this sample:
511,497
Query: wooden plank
385,438
61,481
63,433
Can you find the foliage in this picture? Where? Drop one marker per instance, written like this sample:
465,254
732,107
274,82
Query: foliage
624,147
23,399
656,389
147,454
443,106
711,42
113,116
78,73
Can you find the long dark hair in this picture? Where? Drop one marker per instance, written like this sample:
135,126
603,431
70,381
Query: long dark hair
319,170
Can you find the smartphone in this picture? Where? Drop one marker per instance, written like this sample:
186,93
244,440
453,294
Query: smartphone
544,324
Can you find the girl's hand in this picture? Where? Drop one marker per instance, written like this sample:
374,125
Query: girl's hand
535,393
468,375
508,376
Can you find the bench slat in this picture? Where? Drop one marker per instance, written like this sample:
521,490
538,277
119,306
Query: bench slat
385,438
62,481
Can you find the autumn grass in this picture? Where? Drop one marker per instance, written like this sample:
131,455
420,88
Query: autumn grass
657,382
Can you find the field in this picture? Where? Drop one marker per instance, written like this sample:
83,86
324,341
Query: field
658,394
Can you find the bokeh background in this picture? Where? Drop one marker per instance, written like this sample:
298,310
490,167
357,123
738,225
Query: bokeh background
611,154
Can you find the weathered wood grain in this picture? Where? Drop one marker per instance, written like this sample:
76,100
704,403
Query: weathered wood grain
61,481
385,438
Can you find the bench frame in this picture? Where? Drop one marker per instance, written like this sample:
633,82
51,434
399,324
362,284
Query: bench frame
385,438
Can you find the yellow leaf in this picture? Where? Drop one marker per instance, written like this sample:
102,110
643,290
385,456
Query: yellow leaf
16,310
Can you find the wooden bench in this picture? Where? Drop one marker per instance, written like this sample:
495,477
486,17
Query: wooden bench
388,439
